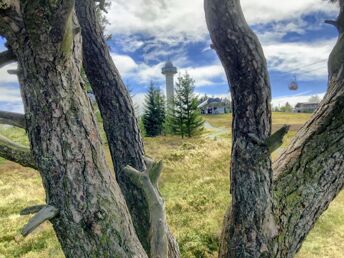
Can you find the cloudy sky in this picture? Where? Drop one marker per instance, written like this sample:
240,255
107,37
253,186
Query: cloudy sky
146,33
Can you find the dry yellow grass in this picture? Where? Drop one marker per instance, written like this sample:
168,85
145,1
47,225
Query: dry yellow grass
195,185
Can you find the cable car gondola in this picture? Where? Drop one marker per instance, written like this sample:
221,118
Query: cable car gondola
293,85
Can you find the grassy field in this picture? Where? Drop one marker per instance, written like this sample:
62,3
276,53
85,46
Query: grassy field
195,185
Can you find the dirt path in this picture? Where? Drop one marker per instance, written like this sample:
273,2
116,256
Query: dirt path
214,132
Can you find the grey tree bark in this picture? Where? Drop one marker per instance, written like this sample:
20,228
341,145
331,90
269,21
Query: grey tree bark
92,218
272,212
120,123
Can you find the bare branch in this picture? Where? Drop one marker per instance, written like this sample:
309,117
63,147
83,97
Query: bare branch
6,58
17,153
155,172
47,213
331,22
276,140
147,182
14,72
14,119
148,161
32,209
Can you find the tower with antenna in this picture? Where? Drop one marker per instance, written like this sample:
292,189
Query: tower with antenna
169,70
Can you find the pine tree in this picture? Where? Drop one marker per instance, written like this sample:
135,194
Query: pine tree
154,114
186,119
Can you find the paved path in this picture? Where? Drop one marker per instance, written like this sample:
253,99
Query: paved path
214,131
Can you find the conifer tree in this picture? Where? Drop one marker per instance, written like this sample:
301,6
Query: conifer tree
186,119
154,114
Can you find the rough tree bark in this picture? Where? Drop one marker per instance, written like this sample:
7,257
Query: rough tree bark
252,224
89,213
271,218
120,123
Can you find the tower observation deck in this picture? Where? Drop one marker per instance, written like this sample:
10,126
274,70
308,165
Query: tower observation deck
169,70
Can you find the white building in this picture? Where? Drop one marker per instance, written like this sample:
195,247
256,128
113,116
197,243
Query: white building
214,106
305,107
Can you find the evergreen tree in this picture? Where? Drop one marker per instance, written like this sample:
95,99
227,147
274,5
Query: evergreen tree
287,108
186,119
154,112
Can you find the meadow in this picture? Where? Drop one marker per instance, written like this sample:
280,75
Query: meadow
194,184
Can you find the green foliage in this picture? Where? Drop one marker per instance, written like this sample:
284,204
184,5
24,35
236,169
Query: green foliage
154,112
314,99
287,108
184,117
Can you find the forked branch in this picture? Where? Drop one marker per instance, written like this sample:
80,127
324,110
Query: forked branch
148,182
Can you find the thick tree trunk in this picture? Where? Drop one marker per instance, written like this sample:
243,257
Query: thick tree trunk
119,119
271,219
92,218
310,172
252,224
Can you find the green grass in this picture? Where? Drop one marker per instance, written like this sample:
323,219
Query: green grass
194,184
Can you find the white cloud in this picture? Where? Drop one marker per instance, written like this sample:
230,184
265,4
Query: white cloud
265,11
5,77
161,29
205,75
162,19
138,100
125,64
10,95
10,99
180,20
306,60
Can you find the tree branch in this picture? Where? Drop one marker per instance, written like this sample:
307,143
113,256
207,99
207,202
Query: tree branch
6,58
16,153
276,140
148,183
310,172
47,213
331,22
14,119
13,72
32,209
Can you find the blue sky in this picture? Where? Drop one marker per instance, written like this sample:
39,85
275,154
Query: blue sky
146,33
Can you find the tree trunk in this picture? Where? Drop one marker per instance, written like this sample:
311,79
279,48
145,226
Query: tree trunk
120,123
271,219
92,219
252,223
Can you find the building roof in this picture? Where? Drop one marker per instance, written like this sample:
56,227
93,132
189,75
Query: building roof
211,101
306,104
